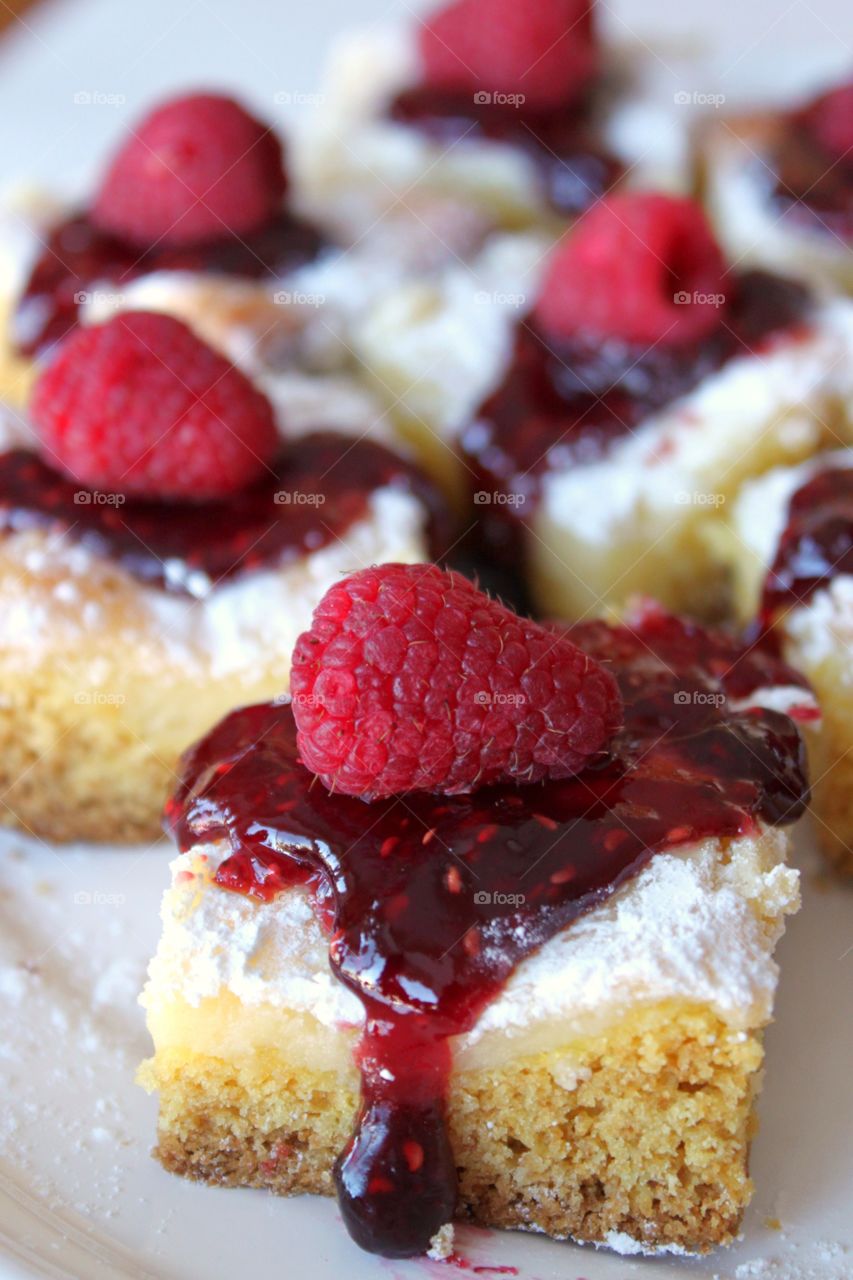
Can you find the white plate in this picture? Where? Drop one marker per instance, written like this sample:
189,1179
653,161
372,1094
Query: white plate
79,1196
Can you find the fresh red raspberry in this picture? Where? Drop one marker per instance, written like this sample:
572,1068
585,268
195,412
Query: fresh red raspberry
195,169
640,267
544,50
411,679
141,406
830,120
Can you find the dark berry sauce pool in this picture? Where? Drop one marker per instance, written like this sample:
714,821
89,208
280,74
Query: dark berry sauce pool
573,169
566,403
77,257
816,545
430,902
320,486
810,187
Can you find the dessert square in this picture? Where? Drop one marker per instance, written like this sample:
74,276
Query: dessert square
129,629
404,118
184,464
276,296
779,188
788,542
599,453
570,1042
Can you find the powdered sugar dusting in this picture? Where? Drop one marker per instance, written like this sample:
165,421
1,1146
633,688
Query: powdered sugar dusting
692,924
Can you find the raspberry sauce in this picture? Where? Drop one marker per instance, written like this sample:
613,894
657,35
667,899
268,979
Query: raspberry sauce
569,402
77,257
572,168
817,544
809,186
430,902
319,487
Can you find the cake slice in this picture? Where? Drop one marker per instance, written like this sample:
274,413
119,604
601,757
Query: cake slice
635,383
540,1004
788,542
161,548
779,188
523,114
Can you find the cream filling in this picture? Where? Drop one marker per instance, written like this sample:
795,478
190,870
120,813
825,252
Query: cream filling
821,631
696,925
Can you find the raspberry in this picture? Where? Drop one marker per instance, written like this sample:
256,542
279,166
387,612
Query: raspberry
411,679
142,406
640,267
830,120
197,168
542,49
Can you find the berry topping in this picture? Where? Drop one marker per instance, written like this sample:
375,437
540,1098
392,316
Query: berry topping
411,679
829,119
196,169
542,50
642,268
140,405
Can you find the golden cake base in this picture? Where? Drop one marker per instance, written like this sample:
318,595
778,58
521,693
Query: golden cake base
644,1130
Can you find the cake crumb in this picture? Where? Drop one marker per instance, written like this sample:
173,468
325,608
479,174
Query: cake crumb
441,1245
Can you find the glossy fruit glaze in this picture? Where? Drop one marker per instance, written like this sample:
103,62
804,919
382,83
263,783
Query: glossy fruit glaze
320,485
573,169
567,403
809,186
816,545
78,258
430,902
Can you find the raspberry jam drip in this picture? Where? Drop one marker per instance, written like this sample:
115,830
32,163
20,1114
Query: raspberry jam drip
430,902
809,186
569,402
573,169
817,544
320,486
77,257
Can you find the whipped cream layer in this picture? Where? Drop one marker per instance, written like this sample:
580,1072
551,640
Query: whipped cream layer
820,630
63,599
699,925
